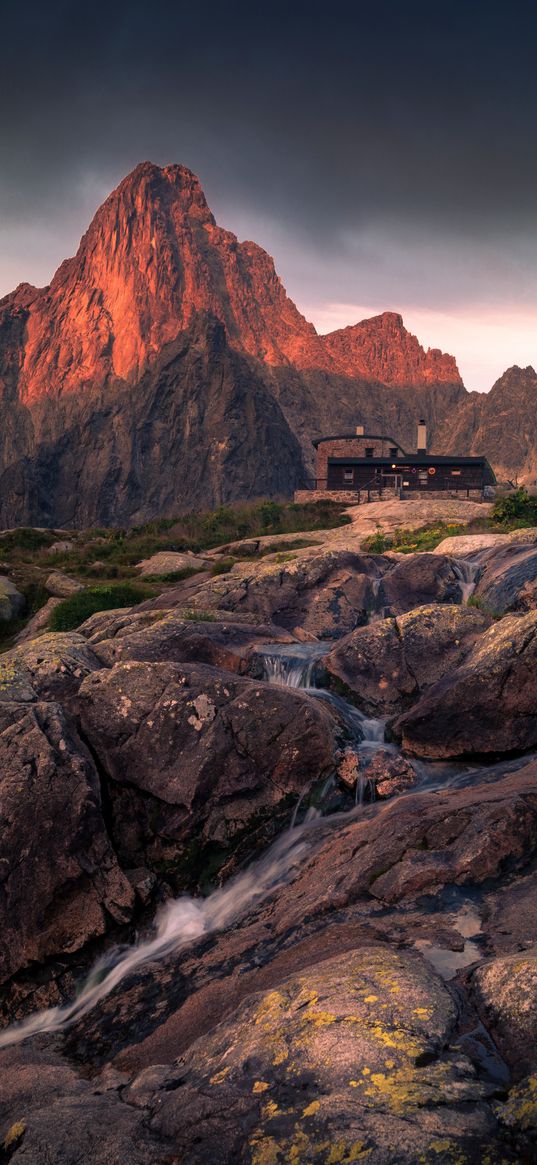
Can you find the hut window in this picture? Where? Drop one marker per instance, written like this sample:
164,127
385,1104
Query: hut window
455,473
369,451
347,475
393,450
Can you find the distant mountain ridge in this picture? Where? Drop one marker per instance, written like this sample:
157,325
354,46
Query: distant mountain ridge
165,367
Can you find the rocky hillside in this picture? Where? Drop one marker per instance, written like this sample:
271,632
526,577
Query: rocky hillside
165,367
503,421
359,987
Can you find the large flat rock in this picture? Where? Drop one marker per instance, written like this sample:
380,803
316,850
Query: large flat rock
175,635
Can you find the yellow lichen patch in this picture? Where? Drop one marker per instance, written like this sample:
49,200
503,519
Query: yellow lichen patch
366,1071
265,1151
269,1110
520,1108
299,1150
395,1038
344,1154
423,1012
405,1089
14,1134
219,1077
319,1018
260,1086
7,674
312,1108
281,1056
269,1006
371,999
354,1083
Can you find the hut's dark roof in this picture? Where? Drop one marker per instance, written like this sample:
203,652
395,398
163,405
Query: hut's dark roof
416,459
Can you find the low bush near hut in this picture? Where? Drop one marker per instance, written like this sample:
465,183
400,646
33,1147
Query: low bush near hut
75,610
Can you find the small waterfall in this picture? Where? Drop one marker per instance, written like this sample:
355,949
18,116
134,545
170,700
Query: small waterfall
177,924
376,613
297,806
292,665
467,571
364,785
365,731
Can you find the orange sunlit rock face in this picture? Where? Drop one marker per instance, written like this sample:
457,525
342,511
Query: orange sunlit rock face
154,258
381,348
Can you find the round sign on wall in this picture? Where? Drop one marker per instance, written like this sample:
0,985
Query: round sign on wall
432,470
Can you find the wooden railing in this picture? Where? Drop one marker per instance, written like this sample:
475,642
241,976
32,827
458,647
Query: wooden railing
393,482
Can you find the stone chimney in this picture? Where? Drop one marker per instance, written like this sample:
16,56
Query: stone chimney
360,430
422,437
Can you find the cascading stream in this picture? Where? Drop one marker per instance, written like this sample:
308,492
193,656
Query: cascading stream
467,572
183,920
177,924
292,665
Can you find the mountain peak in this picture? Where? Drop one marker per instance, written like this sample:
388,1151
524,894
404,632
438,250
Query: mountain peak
151,261
381,347
174,181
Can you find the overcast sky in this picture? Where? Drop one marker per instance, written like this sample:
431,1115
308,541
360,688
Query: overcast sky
384,153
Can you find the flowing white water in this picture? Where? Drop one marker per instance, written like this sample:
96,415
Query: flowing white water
186,919
377,613
366,731
177,924
466,571
292,665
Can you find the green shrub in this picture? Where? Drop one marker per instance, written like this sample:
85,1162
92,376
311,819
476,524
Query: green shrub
408,541
26,539
223,566
518,508
293,544
120,550
285,556
199,615
76,609
378,542
176,576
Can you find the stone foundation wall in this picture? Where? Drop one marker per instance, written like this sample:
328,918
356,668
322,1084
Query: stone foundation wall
475,495
326,495
351,497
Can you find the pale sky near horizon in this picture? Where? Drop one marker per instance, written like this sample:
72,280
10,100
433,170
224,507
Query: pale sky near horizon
485,341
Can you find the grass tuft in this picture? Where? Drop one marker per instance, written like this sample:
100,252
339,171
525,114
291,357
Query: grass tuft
75,610
223,566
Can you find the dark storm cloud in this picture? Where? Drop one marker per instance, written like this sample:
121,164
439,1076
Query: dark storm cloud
350,110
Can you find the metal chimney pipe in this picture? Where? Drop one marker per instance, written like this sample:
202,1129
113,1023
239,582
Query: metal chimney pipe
422,437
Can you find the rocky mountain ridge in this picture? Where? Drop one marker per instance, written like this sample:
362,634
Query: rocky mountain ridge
165,367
